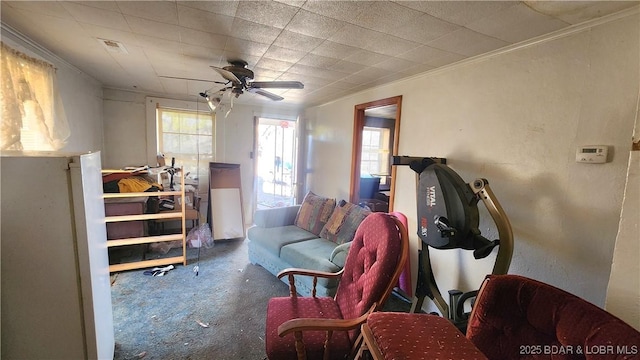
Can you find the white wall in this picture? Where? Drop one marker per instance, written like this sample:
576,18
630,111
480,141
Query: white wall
81,96
515,117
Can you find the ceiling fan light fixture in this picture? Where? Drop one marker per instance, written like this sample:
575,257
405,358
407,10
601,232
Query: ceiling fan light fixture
213,102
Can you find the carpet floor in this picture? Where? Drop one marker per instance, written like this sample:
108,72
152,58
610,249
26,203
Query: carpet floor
218,314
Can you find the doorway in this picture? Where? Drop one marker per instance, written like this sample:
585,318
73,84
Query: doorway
375,141
275,163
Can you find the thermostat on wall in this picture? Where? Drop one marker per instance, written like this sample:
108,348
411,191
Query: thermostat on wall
593,154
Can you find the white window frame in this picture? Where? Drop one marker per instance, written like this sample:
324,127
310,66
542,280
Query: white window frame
381,151
152,105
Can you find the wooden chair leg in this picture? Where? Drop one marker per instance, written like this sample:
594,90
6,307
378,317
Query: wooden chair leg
300,349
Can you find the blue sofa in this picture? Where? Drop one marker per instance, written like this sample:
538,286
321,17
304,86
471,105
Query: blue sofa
276,243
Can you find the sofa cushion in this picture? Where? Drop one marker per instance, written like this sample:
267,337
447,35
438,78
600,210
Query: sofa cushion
273,239
343,223
311,254
314,212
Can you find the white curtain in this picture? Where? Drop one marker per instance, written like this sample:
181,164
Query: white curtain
32,114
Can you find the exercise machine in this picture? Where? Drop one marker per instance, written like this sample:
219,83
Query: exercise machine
448,218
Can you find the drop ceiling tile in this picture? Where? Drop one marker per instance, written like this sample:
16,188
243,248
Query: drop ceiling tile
96,16
310,24
516,23
135,62
205,21
431,56
248,30
309,81
356,36
317,61
423,29
291,40
366,75
326,74
390,45
459,12
383,16
203,38
49,8
340,10
416,69
161,11
273,64
153,28
467,42
106,5
347,67
283,54
175,86
150,42
334,50
212,56
268,13
227,8
366,57
296,3
385,79
262,74
246,47
395,64
127,38
19,18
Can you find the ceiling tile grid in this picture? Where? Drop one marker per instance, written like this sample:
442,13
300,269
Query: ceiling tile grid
335,48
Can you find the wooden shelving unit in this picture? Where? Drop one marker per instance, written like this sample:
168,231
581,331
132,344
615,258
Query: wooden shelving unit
178,215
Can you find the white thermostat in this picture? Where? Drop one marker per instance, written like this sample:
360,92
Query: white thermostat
592,154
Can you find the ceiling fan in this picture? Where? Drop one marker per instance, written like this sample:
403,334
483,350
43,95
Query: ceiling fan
239,79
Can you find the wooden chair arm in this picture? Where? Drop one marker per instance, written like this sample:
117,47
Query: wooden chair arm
307,272
291,272
310,324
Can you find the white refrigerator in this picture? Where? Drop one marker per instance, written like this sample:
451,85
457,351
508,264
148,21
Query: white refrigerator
56,295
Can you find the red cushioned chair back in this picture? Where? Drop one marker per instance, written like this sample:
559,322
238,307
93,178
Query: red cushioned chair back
371,265
516,317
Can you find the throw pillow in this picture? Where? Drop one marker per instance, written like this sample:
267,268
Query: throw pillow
314,212
343,223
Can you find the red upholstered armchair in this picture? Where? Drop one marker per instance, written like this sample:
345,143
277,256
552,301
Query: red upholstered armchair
514,317
517,317
329,328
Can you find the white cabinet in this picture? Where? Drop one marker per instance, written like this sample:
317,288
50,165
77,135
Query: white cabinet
56,295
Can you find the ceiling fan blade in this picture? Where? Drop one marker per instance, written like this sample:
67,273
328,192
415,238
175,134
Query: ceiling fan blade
277,84
227,74
190,79
271,96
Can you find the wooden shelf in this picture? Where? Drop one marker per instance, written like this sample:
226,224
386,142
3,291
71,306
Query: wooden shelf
146,263
143,240
139,194
161,215
176,214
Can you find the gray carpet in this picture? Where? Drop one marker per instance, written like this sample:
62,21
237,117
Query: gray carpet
219,314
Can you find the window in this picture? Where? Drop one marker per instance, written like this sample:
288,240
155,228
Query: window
375,152
188,137
33,117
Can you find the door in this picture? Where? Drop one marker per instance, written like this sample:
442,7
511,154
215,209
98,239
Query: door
375,140
275,163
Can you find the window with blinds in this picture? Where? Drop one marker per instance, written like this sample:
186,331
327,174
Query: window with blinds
187,136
